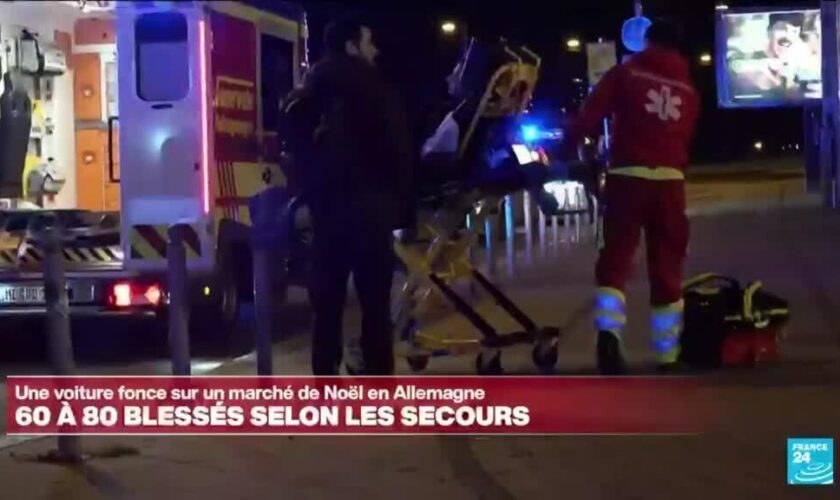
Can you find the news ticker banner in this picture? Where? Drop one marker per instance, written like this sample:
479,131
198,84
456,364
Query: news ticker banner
342,406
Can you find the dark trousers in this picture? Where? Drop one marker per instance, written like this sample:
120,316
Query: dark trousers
359,243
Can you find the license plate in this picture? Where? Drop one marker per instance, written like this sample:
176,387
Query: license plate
21,294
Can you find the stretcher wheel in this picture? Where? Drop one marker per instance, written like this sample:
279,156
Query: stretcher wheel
417,363
545,354
489,364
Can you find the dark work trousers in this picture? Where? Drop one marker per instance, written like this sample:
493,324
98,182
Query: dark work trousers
359,243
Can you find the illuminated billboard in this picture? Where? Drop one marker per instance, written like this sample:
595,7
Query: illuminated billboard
769,58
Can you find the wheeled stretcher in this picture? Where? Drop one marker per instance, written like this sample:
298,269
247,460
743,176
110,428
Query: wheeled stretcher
435,252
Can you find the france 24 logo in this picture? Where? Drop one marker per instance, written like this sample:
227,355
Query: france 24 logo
810,461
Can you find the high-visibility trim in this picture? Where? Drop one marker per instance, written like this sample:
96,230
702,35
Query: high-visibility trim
612,292
606,324
650,173
668,320
676,307
700,278
666,329
749,293
149,242
667,350
71,255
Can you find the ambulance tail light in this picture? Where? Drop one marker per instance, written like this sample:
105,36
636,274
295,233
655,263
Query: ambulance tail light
127,294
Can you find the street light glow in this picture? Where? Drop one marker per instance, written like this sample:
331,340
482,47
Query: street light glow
758,145
705,58
573,43
449,27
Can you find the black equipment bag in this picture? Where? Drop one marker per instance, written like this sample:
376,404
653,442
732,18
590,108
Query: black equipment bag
717,308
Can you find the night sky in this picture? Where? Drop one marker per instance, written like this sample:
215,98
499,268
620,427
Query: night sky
417,56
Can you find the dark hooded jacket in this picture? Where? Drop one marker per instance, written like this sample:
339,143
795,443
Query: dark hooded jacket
363,155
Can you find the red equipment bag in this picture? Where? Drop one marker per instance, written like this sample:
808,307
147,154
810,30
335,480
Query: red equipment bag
727,325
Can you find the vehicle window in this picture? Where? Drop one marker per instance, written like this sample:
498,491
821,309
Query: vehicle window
277,77
163,62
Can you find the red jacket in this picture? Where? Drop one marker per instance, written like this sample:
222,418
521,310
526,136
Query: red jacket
654,108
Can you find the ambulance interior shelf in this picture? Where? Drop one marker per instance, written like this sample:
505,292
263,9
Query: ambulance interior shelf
35,174
101,226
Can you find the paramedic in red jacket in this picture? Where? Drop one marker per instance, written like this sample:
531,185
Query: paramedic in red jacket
653,107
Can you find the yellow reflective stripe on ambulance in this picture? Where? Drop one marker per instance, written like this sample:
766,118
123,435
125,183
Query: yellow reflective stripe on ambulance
148,242
650,173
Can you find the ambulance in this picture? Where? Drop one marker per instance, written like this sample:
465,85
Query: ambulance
161,113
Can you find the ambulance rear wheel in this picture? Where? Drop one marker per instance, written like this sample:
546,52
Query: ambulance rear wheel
222,322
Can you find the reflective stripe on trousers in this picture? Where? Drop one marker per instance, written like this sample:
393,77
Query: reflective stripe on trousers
666,329
610,311
650,173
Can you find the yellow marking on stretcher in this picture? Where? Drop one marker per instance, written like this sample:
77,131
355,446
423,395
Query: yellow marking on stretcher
650,173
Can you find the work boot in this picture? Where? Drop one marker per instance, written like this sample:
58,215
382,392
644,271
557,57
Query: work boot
610,357
676,368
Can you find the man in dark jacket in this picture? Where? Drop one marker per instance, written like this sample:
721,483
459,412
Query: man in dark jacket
358,185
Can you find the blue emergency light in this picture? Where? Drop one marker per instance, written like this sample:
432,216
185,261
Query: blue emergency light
530,133
633,33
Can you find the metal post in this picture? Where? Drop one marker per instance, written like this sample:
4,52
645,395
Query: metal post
578,204
489,253
263,298
542,232
470,229
555,232
510,236
179,315
58,330
529,229
567,228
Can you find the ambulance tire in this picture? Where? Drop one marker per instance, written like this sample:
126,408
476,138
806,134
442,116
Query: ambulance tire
225,324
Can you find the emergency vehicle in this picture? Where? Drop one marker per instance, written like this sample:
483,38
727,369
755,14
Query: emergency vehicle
165,114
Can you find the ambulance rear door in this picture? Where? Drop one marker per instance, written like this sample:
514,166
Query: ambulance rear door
165,123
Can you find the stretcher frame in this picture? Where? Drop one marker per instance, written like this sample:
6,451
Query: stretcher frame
438,257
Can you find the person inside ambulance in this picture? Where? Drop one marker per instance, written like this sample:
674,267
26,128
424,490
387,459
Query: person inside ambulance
357,181
654,108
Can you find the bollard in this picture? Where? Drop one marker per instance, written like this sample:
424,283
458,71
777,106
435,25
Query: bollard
489,252
510,236
263,298
58,330
578,205
555,232
529,229
179,314
542,232
469,223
